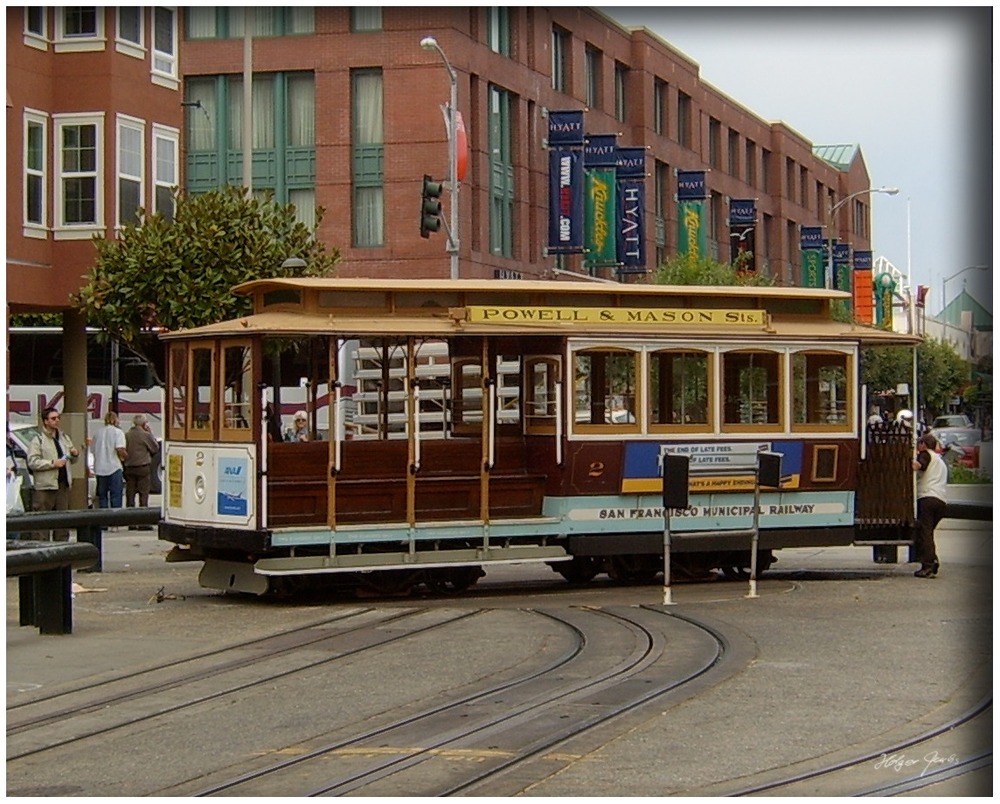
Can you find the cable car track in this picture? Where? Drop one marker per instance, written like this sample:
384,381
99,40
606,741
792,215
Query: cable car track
150,712
920,773
538,718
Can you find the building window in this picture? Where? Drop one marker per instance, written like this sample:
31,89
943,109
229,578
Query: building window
35,181
789,178
501,172
714,142
592,66
202,22
621,75
684,119
130,40
79,29
283,136
80,153
750,163
35,33
368,144
765,169
660,107
803,186
80,21
734,154
166,143
498,30
560,60
165,46
131,159
366,18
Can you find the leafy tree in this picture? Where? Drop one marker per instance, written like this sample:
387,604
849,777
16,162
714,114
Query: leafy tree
682,270
941,373
174,274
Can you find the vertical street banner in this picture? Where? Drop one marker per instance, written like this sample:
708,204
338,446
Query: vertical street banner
885,287
631,210
600,161
742,229
842,266
565,142
813,254
691,193
864,291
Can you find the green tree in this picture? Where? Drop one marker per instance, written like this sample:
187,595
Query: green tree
941,373
682,270
179,273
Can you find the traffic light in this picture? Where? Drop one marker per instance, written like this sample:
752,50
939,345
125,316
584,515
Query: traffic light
430,207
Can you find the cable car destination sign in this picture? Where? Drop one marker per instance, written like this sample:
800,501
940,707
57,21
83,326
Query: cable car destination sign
481,314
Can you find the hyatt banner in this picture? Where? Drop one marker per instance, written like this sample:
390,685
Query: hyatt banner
565,142
631,212
742,230
691,238
600,158
813,264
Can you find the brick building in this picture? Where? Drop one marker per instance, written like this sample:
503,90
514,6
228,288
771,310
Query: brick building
93,133
346,115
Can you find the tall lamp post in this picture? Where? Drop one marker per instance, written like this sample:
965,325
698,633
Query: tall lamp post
829,224
944,285
947,279
430,43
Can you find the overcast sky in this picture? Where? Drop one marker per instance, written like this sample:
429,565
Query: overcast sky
911,86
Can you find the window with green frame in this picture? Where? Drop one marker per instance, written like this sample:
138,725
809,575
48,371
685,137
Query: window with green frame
283,136
498,30
223,22
501,172
368,149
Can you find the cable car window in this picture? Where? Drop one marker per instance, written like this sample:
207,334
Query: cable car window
237,387
679,389
820,387
605,389
201,390
751,384
177,391
540,377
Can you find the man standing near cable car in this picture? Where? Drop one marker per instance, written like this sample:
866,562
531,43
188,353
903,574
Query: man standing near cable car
140,447
932,499
49,456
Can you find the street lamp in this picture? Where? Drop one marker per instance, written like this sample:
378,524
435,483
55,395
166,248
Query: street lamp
829,224
947,279
430,43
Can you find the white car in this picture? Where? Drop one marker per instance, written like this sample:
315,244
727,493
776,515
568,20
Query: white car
22,435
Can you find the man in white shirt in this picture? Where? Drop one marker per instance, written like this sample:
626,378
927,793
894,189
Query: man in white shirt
932,499
109,452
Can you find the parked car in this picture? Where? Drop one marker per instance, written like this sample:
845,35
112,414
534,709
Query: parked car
958,445
952,420
22,435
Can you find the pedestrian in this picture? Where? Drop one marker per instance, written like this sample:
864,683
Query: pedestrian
300,427
140,447
49,456
932,499
109,454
